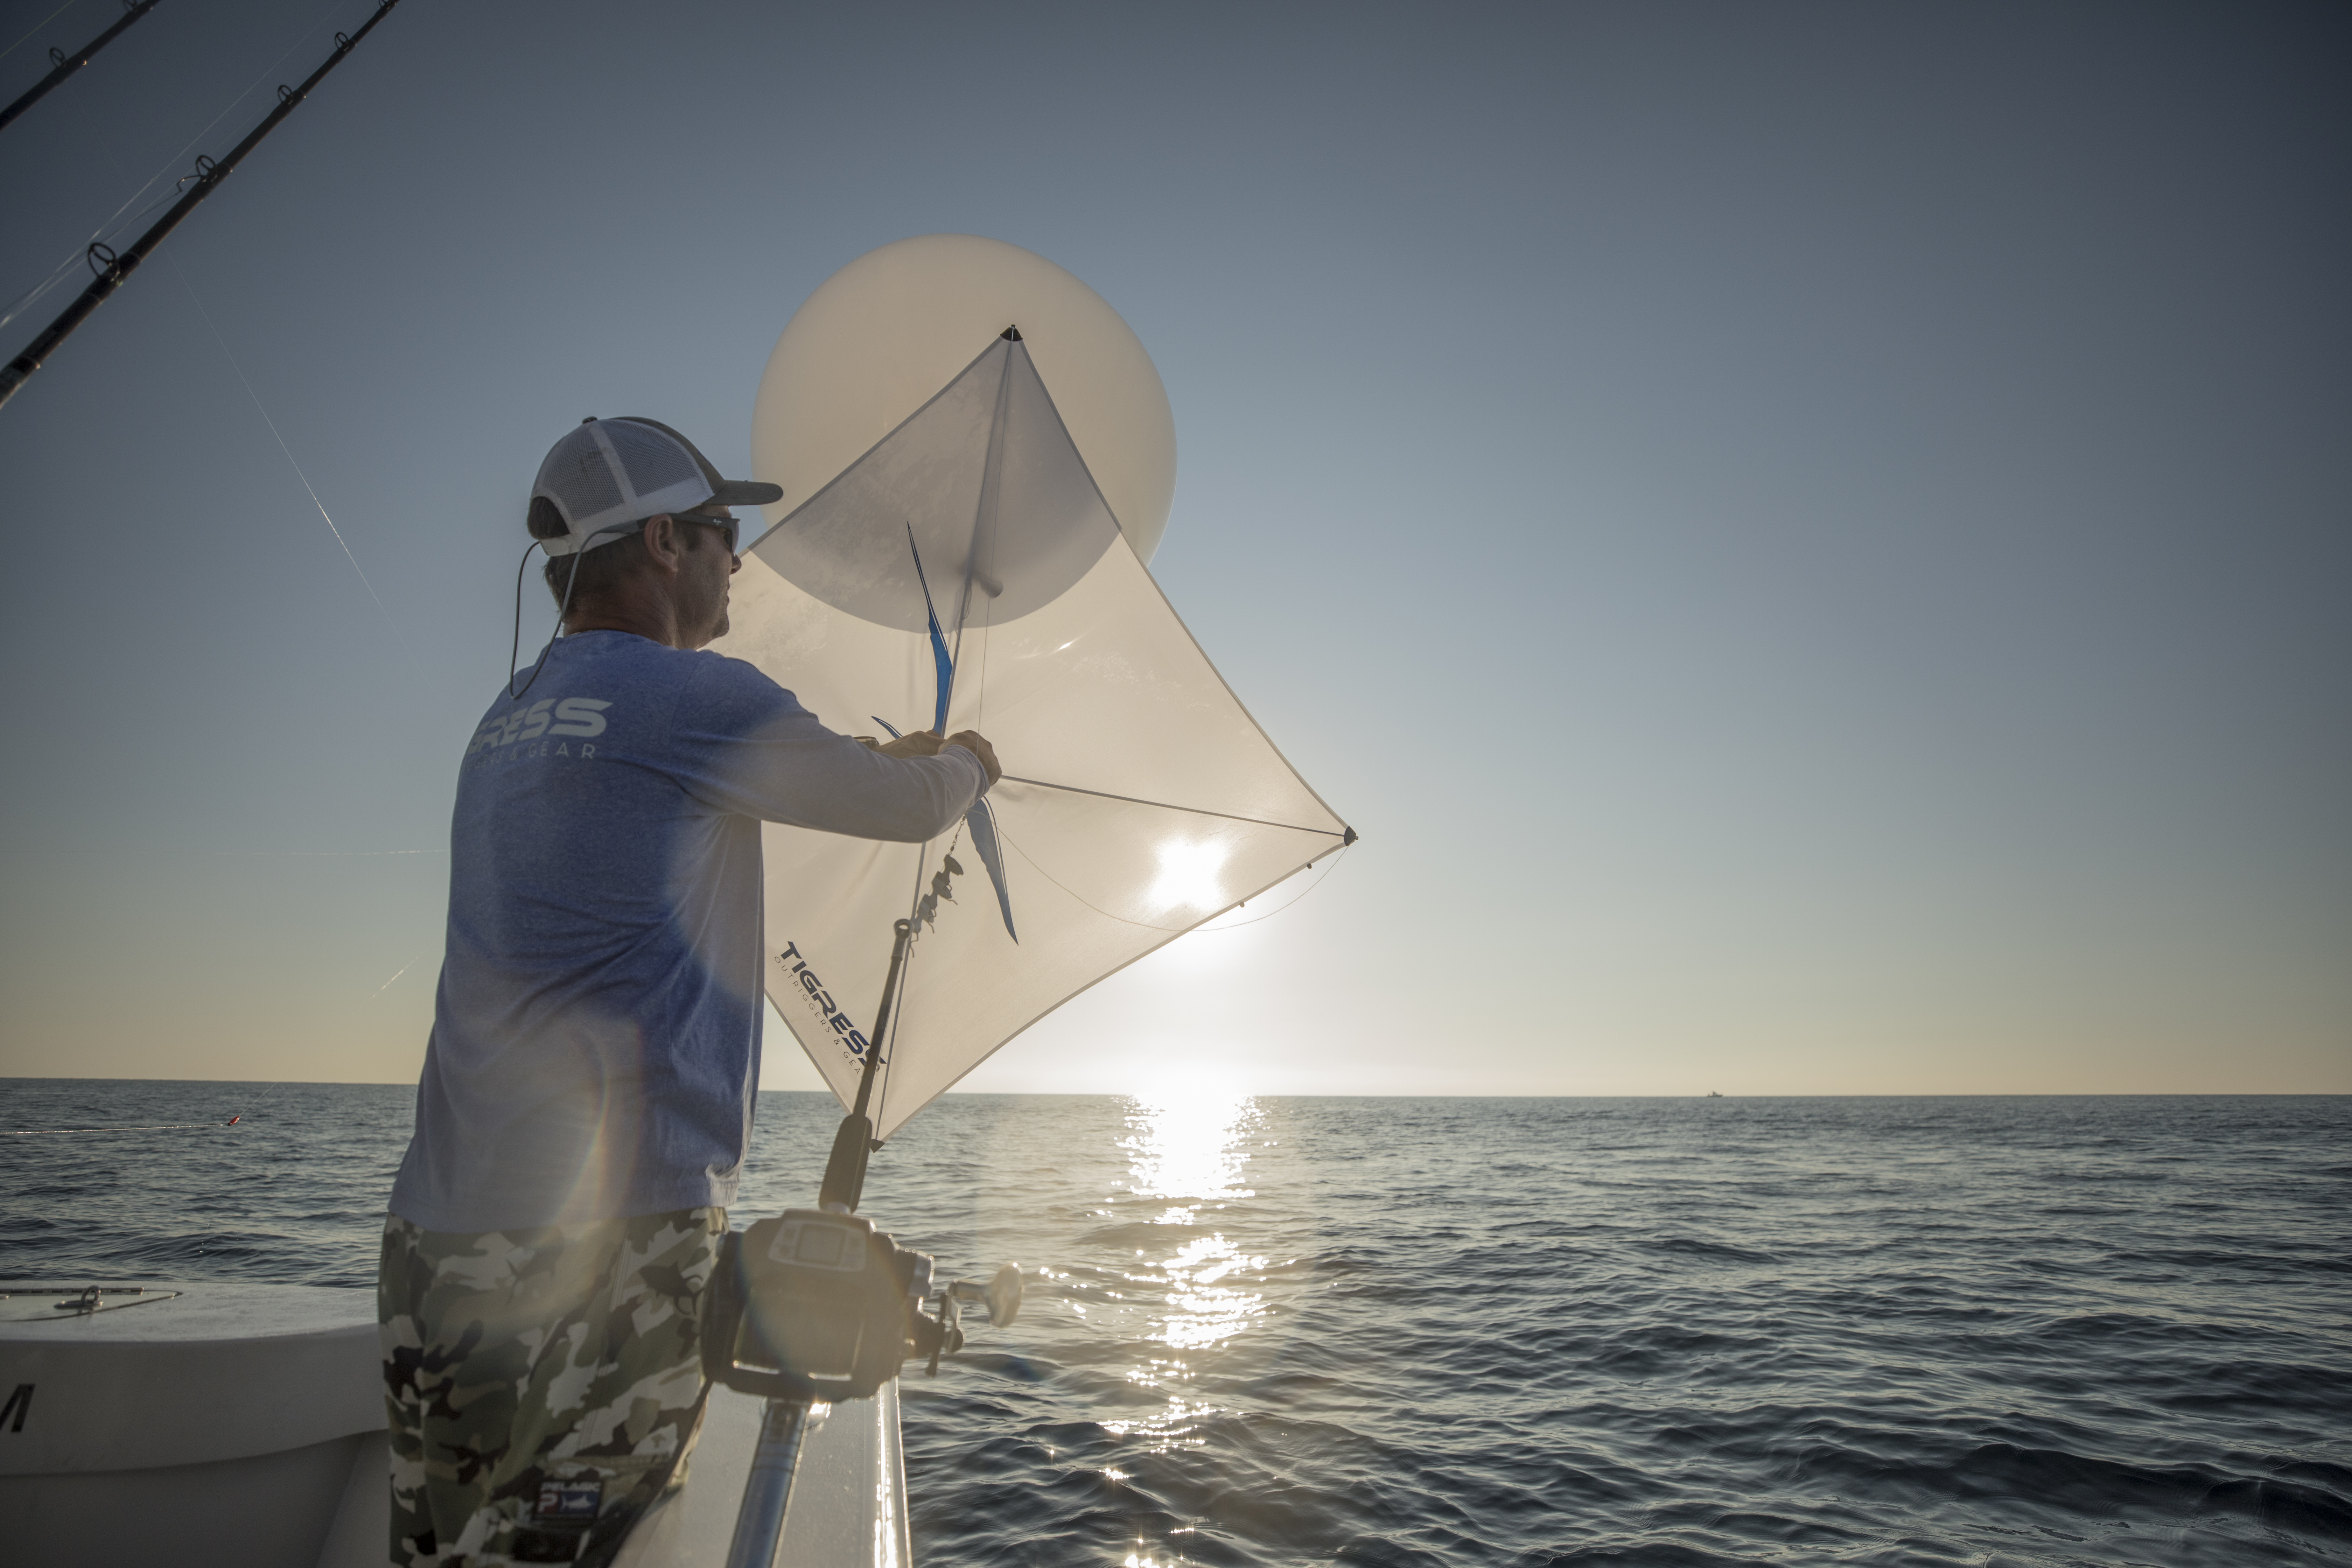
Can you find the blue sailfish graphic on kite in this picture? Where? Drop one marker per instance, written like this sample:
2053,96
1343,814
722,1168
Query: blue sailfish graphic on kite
980,821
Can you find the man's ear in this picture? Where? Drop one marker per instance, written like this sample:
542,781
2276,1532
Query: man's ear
663,541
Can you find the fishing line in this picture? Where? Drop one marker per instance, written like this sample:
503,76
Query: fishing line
889,1048
110,228
332,853
980,704
890,1051
914,898
396,974
37,27
1164,805
1206,929
32,296
151,1127
1171,930
405,651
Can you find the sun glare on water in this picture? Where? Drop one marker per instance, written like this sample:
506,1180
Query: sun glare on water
1187,1147
1185,1140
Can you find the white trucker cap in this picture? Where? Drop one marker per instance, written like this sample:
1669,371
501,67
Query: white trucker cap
607,475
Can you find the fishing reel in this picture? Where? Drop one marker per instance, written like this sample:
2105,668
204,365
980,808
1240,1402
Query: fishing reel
815,1304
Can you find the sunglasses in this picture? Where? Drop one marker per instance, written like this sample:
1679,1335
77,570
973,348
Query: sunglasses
731,526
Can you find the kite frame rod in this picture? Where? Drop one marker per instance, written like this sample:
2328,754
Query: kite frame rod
69,64
1169,806
852,1140
208,178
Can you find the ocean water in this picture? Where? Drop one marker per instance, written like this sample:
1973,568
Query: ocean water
1538,1332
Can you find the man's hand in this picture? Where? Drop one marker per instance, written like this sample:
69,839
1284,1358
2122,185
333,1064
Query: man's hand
973,741
921,744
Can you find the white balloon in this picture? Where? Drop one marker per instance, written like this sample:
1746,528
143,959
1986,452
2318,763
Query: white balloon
882,336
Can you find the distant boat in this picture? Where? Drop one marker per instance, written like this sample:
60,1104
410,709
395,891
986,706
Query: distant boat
1715,1094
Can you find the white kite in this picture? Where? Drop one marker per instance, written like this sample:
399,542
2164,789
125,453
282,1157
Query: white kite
967,572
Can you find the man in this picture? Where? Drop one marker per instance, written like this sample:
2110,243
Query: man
587,1092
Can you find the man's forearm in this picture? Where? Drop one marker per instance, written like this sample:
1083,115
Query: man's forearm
853,790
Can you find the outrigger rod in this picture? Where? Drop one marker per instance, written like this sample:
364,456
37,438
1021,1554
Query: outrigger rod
113,271
63,65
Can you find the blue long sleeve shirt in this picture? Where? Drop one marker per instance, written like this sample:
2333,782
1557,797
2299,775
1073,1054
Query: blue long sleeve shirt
595,1041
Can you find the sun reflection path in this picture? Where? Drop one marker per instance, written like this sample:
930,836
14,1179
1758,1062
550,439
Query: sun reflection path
1191,1148
1190,1145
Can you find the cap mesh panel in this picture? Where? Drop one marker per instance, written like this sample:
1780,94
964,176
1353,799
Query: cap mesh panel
577,478
654,463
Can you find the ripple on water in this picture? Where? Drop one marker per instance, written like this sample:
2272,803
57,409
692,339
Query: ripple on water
1522,1333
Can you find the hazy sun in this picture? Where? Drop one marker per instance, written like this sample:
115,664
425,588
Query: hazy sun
1189,876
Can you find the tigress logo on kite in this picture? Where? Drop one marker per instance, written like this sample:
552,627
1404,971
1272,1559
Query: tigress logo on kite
820,1002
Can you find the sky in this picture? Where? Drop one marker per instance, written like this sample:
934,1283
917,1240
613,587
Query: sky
1811,540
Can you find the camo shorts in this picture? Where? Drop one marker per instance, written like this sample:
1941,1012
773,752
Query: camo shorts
544,1386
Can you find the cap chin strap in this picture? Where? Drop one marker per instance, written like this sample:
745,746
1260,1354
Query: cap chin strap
514,649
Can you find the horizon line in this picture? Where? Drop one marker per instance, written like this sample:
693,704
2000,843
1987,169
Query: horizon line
1345,1094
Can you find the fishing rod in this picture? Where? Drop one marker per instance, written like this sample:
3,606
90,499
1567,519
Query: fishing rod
816,1304
64,65
113,271
852,1140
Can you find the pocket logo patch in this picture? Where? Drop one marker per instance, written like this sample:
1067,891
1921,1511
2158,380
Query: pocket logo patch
569,1499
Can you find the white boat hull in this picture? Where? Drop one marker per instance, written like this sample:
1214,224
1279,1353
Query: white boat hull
241,1426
